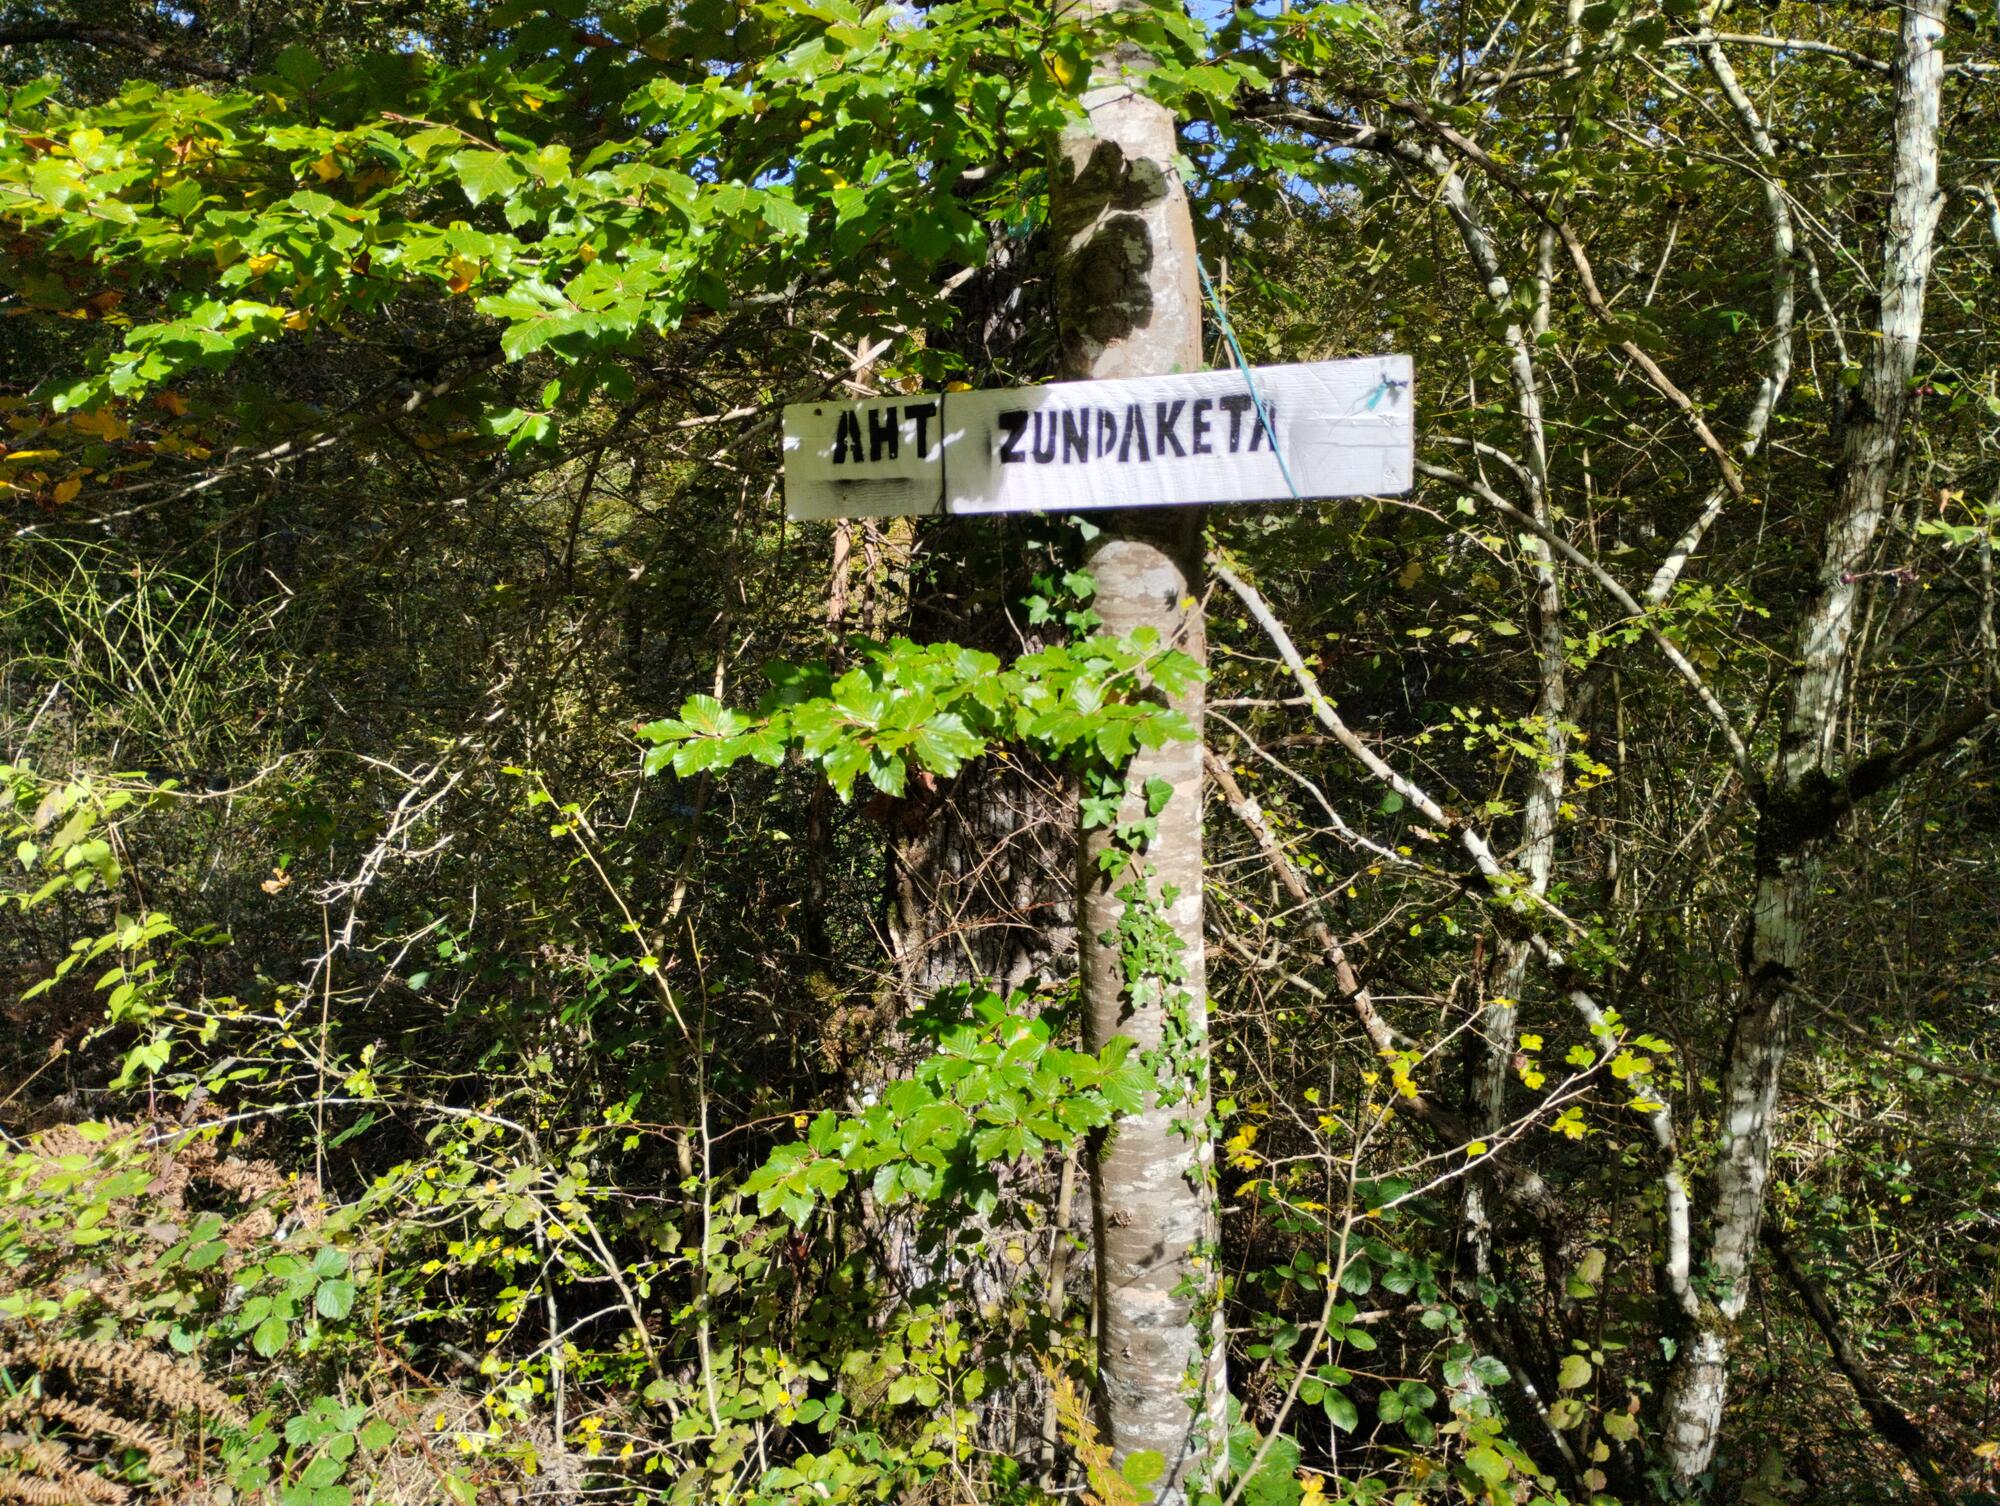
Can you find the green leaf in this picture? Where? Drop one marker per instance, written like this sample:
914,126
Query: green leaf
269,1339
486,175
298,68
944,742
1575,1371
1144,1467
334,1299
1340,1411
1567,1413
201,1257
785,216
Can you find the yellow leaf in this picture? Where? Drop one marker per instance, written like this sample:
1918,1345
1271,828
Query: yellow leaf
66,490
327,168
102,423
259,265
20,455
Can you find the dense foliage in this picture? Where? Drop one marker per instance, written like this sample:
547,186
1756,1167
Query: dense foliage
528,976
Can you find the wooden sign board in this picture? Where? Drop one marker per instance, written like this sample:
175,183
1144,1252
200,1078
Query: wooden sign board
881,457
1345,428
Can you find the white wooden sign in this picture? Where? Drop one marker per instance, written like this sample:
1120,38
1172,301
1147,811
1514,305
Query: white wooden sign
882,457
1344,428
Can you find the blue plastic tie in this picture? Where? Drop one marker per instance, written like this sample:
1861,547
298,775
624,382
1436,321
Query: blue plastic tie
1243,365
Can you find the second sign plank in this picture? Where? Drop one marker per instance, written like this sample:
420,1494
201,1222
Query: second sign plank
1344,428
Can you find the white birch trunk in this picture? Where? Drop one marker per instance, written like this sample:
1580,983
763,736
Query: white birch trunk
1794,816
1129,296
1499,1021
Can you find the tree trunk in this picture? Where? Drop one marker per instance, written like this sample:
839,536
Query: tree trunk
1794,811
1130,305
980,889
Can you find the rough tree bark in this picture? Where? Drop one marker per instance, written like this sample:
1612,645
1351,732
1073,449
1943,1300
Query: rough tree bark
1129,298
1796,809
980,884
980,888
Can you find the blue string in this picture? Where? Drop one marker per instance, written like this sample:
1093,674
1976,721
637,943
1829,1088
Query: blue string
1243,365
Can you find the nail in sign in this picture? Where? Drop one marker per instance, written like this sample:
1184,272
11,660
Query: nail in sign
1344,428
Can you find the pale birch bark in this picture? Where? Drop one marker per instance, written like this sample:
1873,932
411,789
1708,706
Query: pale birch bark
1499,1021
1500,1015
1784,306
1795,808
1529,913
1129,298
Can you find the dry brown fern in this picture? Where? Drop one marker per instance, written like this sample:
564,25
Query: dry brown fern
15,1486
196,1493
54,1463
178,1162
148,1375
250,1179
161,1455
